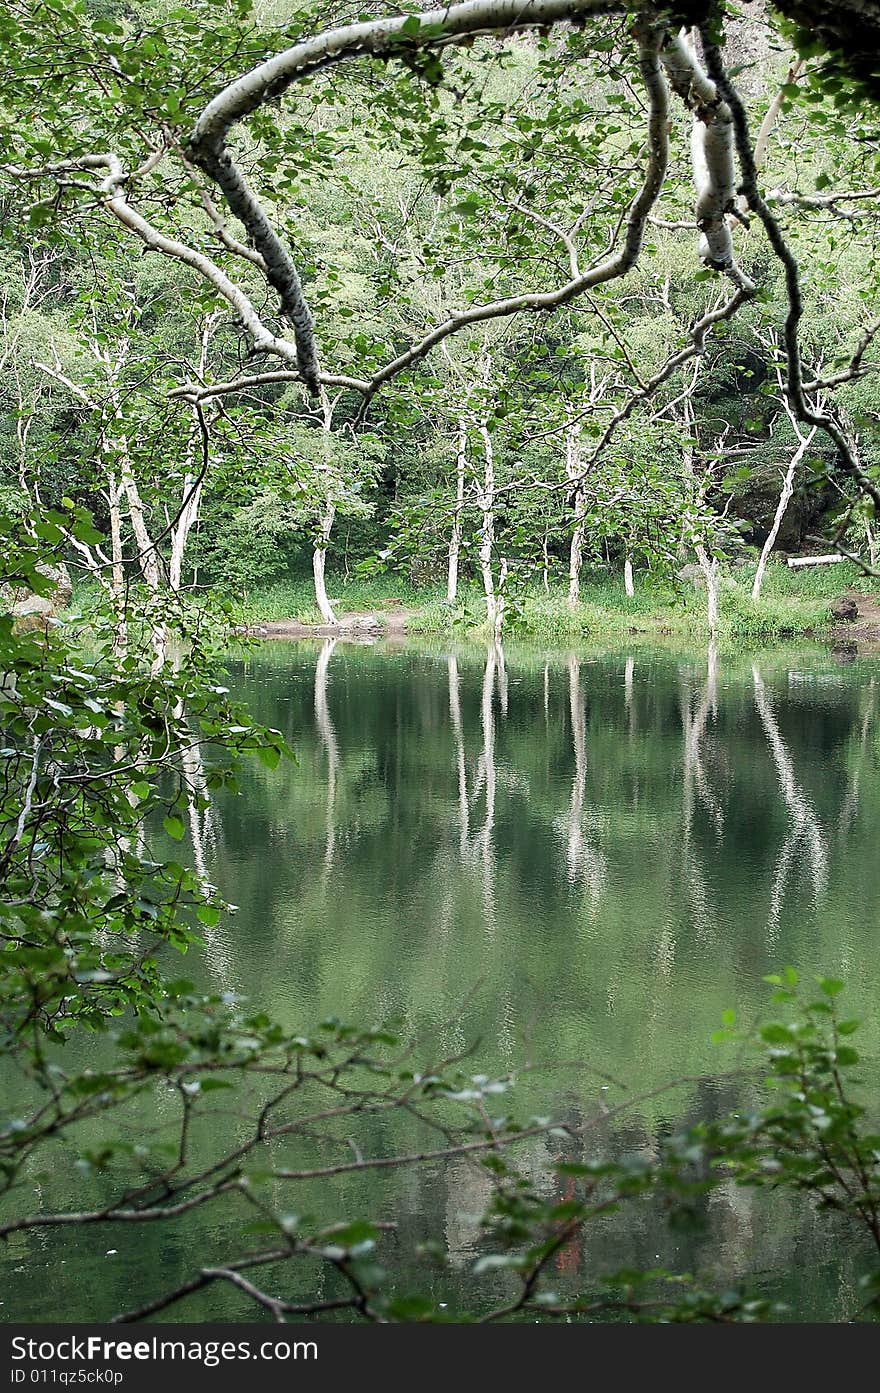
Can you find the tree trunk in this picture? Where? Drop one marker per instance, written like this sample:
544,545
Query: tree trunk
576,549
192,491
148,560
494,601
147,557
500,607
319,563
183,527
117,574
628,578
455,539
319,555
784,500
709,567
829,559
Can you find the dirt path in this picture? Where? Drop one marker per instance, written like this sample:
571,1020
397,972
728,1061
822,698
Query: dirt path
864,630
353,624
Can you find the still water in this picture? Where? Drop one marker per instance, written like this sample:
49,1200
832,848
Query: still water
577,860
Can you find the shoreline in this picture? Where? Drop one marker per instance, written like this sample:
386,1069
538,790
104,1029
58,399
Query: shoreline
857,637
840,611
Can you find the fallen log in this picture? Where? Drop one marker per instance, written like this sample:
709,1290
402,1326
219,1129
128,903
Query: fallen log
816,560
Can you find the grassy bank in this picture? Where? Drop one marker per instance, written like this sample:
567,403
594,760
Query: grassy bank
792,603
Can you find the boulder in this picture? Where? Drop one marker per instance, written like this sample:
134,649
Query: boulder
361,623
32,611
694,574
845,608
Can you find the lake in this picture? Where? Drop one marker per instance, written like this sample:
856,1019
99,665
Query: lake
577,860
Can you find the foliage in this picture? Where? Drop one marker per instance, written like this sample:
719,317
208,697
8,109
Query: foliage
98,745
815,1132
792,603
454,180
146,443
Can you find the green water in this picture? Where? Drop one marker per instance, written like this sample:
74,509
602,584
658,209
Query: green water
597,855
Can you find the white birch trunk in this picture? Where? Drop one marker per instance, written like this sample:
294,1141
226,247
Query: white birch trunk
192,491
455,538
500,610
709,567
628,577
180,535
319,564
576,548
494,601
147,558
829,560
319,554
117,573
781,507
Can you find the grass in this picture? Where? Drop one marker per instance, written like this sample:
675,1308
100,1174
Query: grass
295,598
792,603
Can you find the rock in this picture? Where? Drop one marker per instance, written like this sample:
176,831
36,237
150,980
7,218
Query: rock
63,592
694,574
845,608
369,623
32,611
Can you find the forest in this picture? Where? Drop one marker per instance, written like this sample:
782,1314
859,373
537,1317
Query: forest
439,486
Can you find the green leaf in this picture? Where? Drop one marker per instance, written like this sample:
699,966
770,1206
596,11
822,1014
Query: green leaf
831,986
776,1034
269,755
85,531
